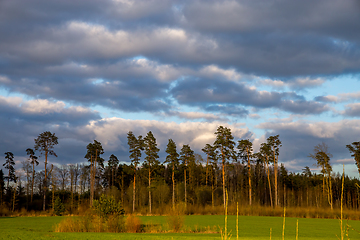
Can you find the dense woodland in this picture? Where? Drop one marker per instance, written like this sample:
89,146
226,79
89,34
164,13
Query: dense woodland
148,184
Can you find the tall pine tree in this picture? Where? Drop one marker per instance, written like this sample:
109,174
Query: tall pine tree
173,160
136,145
224,145
151,159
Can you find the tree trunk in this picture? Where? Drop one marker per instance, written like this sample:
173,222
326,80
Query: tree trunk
46,153
207,169
173,182
91,181
249,173
268,176
185,187
275,183
223,182
149,190
32,182
223,176
134,191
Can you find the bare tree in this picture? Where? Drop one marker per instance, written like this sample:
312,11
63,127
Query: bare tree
63,171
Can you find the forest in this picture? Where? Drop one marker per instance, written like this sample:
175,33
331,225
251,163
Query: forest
148,186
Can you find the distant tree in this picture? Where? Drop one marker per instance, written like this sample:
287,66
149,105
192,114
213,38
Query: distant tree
45,143
186,156
173,160
113,163
74,171
274,143
322,156
136,145
26,167
246,154
210,152
2,186
225,148
93,154
354,148
63,171
211,166
151,159
33,160
264,155
9,165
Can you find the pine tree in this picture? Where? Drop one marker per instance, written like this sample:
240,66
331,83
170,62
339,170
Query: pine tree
322,156
136,145
9,164
113,163
246,153
274,143
225,149
354,148
45,143
151,159
173,160
264,155
186,156
94,150
33,160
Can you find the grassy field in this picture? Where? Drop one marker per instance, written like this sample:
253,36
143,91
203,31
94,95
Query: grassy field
249,228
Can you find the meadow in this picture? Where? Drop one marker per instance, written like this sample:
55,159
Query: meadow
250,227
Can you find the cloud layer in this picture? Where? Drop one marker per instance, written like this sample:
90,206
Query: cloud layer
98,69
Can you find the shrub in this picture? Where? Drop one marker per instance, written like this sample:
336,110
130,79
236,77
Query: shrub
107,216
133,224
175,219
115,223
107,205
59,207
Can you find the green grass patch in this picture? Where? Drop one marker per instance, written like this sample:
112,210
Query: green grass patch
250,227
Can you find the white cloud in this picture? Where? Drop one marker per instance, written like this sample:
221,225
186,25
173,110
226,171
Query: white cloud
110,131
43,106
213,71
4,79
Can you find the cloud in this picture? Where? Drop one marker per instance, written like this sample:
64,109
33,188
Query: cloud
299,138
352,110
207,92
49,112
340,98
294,84
196,115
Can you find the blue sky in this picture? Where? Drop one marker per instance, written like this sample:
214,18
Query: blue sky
98,69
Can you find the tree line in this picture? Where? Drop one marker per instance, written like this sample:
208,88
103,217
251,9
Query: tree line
147,183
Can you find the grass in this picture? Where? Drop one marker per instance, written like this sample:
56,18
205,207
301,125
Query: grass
250,227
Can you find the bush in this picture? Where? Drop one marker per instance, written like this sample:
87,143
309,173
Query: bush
133,224
107,216
59,207
175,219
106,206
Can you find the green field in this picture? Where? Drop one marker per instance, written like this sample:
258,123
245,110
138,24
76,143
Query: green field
249,228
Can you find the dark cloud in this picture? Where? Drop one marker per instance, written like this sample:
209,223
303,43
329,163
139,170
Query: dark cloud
269,38
228,109
207,92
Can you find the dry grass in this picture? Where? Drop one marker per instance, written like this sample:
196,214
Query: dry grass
133,224
175,219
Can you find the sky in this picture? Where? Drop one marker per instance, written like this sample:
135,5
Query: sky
97,69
